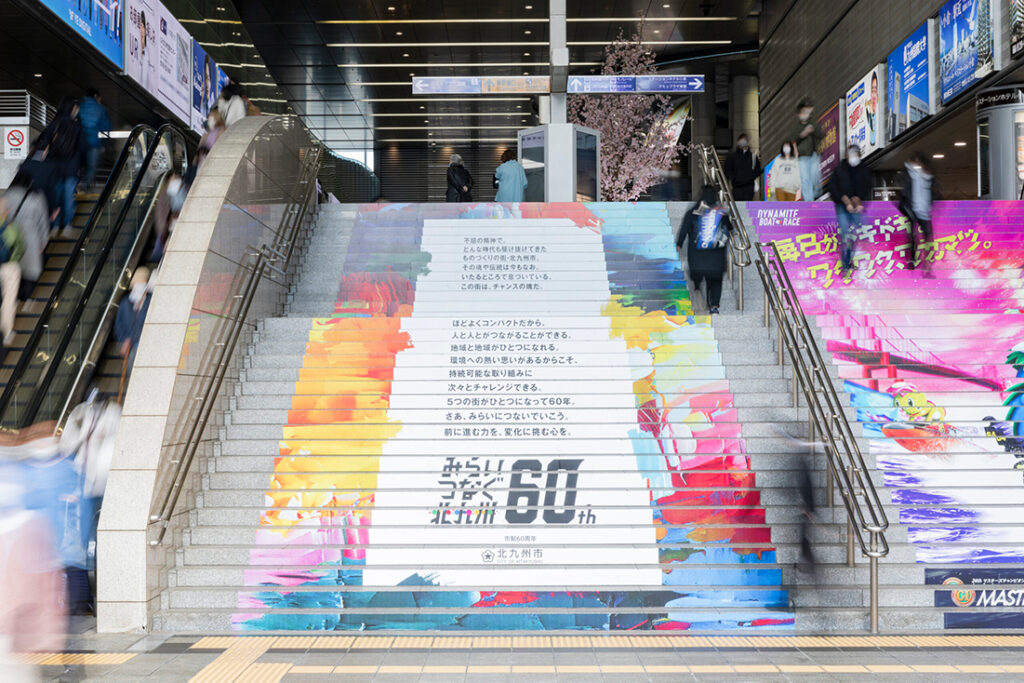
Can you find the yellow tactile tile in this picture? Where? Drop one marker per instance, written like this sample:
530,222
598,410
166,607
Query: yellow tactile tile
889,669
755,668
230,664
620,669
399,669
601,642
268,672
372,643
979,669
421,643
666,669
85,658
453,643
492,642
710,669
440,669
530,642
311,670
800,669
571,642
844,669
578,669
488,669
332,643
355,669
214,643
934,669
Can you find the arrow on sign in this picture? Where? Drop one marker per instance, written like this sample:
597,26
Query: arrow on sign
421,86
575,85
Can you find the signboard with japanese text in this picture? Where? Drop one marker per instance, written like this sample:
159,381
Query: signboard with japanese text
830,148
1016,28
98,21
909,92
865,105
15,142
158,55
207,81
966,45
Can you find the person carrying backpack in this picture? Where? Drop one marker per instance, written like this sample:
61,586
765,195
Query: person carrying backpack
707,227
12,248
65,147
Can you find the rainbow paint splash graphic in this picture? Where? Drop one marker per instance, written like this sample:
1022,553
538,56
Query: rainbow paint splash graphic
934,366
512,421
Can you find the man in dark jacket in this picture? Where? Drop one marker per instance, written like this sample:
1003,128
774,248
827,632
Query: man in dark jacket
707,227
850,187
65,147
916,204
742,169
460,183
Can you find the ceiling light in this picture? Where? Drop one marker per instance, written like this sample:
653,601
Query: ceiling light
426,120
526,54
657,31
422,107
959,144
529,7
405,54
938,156
411,74
666,6
398,33
38,75
528,32
391,9
519,106
526,73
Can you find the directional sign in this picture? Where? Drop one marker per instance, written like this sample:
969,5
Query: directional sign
601,84
670,83
423,85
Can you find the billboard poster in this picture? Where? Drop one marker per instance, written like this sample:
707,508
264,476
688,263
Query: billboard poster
141,43
207,81
908,94
1016,28
158,54
966,53
829,149
865,103
98,21
970,589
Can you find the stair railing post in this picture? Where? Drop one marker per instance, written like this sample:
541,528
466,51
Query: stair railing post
851,559
767,320
874,582
739,287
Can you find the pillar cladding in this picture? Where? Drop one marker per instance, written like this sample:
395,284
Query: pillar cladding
702,132
743,112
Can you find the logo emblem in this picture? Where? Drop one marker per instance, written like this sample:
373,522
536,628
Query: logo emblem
963,597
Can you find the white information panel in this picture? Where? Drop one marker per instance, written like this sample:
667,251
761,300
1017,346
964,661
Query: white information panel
526,478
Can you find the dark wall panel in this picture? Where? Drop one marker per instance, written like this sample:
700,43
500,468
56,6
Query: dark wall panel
416,173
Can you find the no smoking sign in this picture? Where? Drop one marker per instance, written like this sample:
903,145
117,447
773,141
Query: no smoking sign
15,143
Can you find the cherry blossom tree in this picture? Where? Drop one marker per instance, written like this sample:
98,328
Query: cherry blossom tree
636,143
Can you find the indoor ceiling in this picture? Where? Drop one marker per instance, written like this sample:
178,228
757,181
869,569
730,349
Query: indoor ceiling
347,67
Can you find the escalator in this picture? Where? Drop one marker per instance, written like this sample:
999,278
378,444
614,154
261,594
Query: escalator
60,344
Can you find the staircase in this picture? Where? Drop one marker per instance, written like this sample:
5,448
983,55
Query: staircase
932,367
474,419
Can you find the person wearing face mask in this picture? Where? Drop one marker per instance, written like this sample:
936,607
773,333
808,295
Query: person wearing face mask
807,135
784,181
742,169
849,188
919,190
131,316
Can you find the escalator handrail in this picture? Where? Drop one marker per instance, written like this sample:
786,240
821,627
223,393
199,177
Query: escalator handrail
65,274
46,379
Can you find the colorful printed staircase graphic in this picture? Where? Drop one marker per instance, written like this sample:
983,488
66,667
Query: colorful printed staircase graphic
505,417
934,367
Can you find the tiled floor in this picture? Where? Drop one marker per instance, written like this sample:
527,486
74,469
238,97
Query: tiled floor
309,659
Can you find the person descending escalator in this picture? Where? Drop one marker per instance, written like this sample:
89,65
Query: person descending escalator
707,227
64,147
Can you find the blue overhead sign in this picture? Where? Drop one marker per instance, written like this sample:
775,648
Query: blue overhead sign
435,85
601,84
670,83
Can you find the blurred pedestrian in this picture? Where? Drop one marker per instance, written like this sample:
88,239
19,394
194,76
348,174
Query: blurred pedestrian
32,218
707,227
849,188
784,178
12,249
43,176
916,204
807,135
168,205
65,147
131,316
232,104
460,183
510,178
94,119
742,170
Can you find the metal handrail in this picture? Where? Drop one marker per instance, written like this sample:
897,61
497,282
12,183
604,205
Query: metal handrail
739,242
68,272
214,365
846,467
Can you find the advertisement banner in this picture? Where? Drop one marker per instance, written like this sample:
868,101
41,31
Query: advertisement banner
908,92
1016,28
158,55
865,102
971,589
207,81
966,52
99,22
829,149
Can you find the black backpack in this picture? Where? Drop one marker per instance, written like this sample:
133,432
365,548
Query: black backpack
64,141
